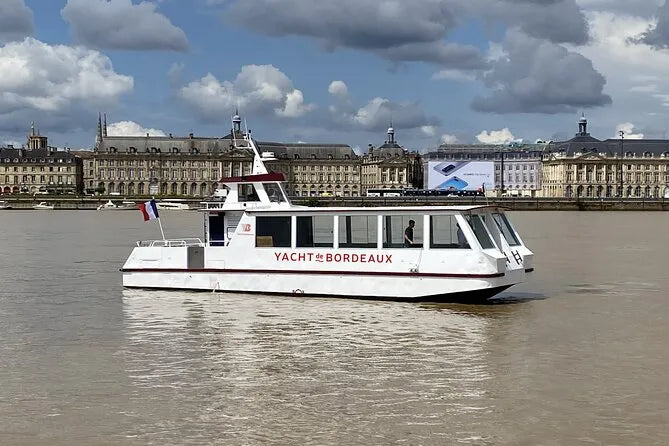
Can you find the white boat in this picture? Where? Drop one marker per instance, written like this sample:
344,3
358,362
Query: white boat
111,206
43,206
256,241
168,205
4,205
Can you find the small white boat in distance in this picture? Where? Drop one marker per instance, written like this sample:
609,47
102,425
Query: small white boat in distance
171,205
256,241
111,206
43,206
4,205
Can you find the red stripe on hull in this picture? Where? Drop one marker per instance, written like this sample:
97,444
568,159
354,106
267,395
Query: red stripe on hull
310,272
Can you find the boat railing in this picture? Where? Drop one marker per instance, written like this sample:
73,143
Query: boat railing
171,243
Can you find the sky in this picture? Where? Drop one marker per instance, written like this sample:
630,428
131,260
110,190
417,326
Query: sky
454,71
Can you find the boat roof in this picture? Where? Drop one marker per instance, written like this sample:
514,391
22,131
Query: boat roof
368,210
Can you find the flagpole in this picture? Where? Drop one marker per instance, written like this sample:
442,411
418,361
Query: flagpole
161,228
159,223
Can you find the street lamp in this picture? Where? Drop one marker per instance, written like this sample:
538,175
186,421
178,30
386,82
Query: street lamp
622,139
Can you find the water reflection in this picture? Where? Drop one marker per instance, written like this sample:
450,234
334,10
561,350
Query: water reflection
255,367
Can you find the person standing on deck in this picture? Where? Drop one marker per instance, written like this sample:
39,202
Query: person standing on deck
408,234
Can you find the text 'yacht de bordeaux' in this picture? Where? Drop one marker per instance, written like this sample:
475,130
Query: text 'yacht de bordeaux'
256,241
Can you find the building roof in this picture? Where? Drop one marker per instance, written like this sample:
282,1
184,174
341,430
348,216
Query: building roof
307,150
168,144
34,155
611,147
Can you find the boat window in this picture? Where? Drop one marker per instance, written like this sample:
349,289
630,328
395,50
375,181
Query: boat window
357,231
480,231
395,227
274,192
505,226
217,230
273,232
315,232
446,233
247,193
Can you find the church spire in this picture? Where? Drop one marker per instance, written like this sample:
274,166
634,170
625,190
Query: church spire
104,127
98,135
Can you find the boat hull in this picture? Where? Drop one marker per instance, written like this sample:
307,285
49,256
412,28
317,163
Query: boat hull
413,287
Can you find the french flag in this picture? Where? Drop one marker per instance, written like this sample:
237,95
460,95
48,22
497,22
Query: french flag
149,210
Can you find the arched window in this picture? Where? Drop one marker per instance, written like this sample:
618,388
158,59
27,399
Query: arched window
175,150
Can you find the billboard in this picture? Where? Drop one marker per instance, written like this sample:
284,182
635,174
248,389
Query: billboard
461,175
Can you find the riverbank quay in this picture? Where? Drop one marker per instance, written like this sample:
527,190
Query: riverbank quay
511,203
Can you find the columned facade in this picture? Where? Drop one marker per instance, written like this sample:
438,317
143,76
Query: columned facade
590,168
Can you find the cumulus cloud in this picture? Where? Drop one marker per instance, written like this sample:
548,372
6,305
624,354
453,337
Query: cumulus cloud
454,75
56,84
538,76
257,88
120,24
16,20
338,89
503,136
397,31
657,36
449,139
639,8
559,21
407,31
628,128
131,128
428,130
377,114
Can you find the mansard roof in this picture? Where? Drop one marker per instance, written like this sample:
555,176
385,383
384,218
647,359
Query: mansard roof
611,147
28,155
167,144
308,150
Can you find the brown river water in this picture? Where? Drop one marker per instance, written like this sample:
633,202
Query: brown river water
577,355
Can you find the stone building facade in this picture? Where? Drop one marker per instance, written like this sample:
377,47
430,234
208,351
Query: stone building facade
314,170
588,167
39,168
193,166
390,166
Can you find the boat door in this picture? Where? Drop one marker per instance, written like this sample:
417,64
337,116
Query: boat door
216,229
